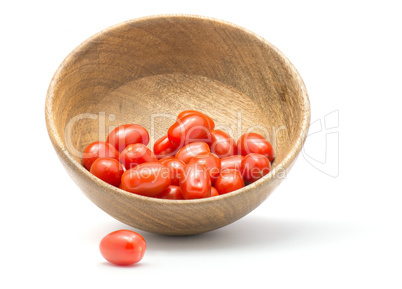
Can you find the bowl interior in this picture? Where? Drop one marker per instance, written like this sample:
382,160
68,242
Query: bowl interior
146,71
149,71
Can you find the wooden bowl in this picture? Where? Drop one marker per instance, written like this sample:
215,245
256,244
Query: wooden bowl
148,70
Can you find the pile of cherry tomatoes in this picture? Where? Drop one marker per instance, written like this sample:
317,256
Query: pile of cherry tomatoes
192,161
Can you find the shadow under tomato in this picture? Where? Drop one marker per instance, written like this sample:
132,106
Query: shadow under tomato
108,264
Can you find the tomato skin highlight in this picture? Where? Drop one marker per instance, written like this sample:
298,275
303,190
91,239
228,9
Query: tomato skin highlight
211,161
252,142
147,179
196,182
254,167
108,170
127,134
136,154
187,112
171,193
189,151
222,144
98,149
188,129
123,247
229,181
163,147
176,168
232,163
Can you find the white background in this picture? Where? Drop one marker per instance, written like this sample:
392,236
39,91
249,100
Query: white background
329,225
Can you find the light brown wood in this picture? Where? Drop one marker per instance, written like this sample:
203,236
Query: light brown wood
163,65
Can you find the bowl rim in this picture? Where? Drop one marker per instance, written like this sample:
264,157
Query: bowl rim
275,173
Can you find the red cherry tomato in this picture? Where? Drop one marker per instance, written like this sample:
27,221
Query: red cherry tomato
171,193
191,150
176,168
148,179
98,149
214,192
232,162
127,134
254,167
211,161
222,144
229,181
164,148
165,159
187,112
188,129
108,170
196,182
252,142
136,154
123,247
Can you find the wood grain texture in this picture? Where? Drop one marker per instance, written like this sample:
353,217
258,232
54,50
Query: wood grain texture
148,70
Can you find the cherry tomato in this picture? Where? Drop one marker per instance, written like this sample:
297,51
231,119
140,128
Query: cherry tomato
222,144
187,112
165,159
211,161
191,150
252,142
98,149
123,247
196,182
214,192
148,179
188,129
232,162
171,193
164,148
254,167
108,170
229,181
127,134
176,168
136,154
